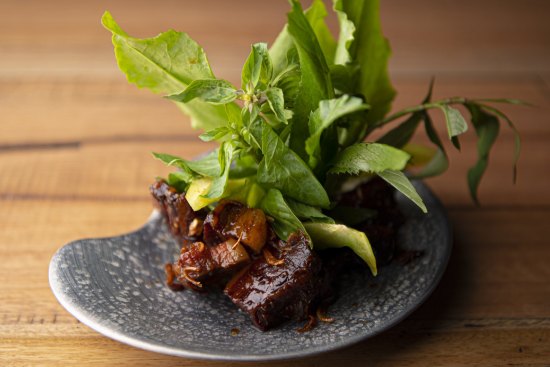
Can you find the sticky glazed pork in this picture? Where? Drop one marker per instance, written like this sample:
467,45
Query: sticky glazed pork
234,248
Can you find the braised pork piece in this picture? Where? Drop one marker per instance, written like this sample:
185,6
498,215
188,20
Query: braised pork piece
234,248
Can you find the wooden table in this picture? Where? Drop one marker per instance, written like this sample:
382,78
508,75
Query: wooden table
74,162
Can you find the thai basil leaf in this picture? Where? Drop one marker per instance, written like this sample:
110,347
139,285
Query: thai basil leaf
326,236
166,64
369,158
283,169
324,116
208,166
214,91
225,157
487,127
398,180
289,82
315,76
276,101
215,134
275,206
257,70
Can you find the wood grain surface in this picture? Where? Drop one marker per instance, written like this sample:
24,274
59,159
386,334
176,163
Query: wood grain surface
75,143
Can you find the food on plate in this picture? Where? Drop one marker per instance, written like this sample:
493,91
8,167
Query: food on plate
301,187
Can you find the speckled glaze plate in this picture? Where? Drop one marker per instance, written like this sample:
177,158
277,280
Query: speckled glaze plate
116,287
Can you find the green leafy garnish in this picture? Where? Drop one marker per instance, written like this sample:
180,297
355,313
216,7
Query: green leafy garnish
285,221
299,125
325,235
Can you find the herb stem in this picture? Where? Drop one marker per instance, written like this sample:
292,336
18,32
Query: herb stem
418,108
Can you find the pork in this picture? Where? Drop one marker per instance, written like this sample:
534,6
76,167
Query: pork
287,283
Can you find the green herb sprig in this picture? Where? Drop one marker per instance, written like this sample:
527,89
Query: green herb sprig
300,124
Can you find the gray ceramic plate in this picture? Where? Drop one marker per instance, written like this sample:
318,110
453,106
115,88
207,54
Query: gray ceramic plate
116,286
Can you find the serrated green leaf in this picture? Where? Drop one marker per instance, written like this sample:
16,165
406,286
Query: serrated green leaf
214,91
316,15
166,64
315,76
398,180
371,51
284,44
369,158
275,206
324,116
346,35
326,236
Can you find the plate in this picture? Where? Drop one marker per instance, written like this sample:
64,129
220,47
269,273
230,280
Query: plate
116,286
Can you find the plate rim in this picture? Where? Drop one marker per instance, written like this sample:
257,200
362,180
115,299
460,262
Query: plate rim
152,346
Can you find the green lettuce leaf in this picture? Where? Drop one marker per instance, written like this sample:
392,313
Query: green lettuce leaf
370,50
316,15
284,43
346,36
